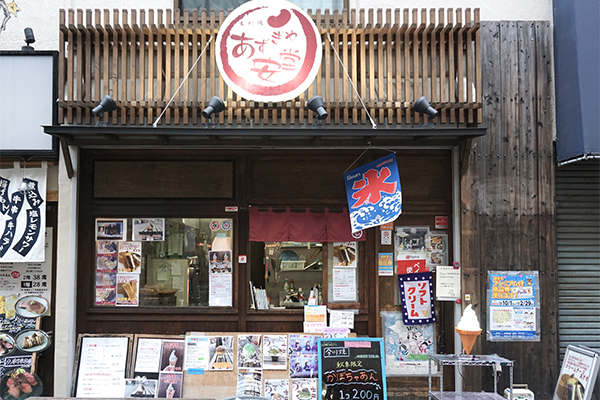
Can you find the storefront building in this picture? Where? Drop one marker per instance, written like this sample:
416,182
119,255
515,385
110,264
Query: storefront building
216,192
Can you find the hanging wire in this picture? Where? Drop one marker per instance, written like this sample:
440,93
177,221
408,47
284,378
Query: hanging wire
182,82
373,124
363,153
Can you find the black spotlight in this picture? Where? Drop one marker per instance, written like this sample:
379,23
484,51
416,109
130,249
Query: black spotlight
29,38
315,104
422,106
215,106
107,104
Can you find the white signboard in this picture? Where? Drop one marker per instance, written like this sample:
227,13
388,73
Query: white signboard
22,213
268,50
102,367
197,354
578,374
447,283
148,355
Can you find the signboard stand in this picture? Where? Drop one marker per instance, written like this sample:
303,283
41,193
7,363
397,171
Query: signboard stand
577,374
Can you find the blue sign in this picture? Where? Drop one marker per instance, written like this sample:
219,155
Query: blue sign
373,192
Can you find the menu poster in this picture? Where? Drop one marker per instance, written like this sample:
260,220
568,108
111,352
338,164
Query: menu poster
12,356
344,285
102,365
436,249
249,382
341,319
336,332
172,355
304,389
249,351
111,229
577,374
221,353
197,353
128,289
149,229
140,388
351,366
220,289
275,352
447,283
148,355
130,257
277,389
170,385
220,262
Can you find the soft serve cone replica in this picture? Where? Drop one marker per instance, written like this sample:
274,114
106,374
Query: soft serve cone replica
468,328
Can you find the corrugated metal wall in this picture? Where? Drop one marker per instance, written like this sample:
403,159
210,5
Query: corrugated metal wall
578,256
578,251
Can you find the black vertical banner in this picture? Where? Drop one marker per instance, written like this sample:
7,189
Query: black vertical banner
352,369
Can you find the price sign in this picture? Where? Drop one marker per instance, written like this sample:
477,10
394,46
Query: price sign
352,369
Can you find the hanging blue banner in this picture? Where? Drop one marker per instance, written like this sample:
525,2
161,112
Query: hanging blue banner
374,195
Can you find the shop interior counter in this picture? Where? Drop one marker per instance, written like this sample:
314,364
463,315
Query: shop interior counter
493,361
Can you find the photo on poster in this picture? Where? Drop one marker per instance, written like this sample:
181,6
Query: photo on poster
106,278
106,296
130,257
303,344
172,355
128,289
344,254
304,389
275,351
304,366
436,249
148,229
411,238
277,389
106,251
221,353
249,351
249,382
170,385
220,262
140,388
111,229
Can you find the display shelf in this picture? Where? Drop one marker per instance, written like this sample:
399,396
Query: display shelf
462,360
465,396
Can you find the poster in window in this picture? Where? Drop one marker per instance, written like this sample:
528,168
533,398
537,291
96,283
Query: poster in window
344,254
407,347
513,306
128,289
344,284
148,229
220,262
130,257
416,294
436,249
111,229
411,238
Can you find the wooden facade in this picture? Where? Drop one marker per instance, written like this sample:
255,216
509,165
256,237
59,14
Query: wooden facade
392,57
495,75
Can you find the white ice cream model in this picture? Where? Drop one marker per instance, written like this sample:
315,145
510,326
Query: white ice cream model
468,328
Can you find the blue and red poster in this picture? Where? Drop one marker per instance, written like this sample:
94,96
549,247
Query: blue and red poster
374,195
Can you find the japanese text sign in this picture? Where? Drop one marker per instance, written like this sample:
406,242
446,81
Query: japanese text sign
22,214
268,51
416,293
373,192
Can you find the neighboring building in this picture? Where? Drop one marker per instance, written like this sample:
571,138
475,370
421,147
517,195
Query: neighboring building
488,164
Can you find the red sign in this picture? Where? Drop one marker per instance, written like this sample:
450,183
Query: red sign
268,51
411,265
441,222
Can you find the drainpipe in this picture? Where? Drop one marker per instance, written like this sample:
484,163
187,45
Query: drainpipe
456,204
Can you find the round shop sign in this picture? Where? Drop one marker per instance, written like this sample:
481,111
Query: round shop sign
215,226
268,51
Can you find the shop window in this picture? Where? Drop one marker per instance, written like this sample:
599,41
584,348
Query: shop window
232,4
175,262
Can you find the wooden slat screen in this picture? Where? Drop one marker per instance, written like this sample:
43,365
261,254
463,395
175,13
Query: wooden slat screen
392,57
